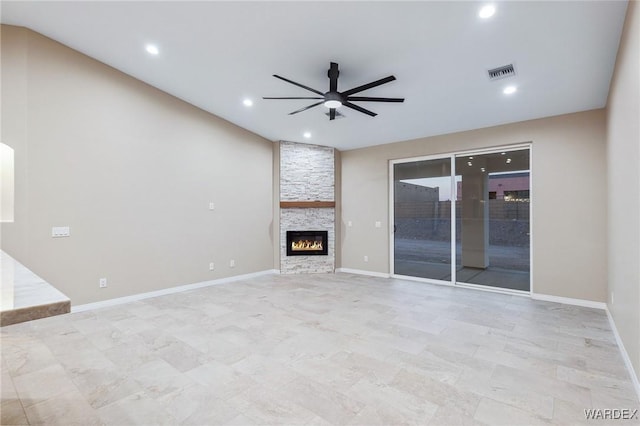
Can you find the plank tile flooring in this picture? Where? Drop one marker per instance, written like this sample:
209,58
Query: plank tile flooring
315,350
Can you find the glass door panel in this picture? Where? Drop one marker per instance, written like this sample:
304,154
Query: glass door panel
422,193
492,219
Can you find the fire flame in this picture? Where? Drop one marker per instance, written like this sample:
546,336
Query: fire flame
306,245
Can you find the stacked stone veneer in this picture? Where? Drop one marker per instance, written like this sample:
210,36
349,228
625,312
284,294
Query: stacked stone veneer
306,174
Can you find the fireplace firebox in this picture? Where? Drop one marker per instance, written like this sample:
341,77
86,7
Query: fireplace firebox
307,243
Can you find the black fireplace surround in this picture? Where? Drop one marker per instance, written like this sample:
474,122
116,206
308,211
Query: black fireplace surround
307,243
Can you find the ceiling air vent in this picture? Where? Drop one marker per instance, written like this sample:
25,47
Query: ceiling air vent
501,72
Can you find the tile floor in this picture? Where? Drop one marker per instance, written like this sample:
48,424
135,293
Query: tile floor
316,350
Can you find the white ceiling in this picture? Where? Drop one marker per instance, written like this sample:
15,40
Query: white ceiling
215,54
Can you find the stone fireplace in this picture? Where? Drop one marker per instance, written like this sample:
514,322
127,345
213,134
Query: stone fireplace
307,205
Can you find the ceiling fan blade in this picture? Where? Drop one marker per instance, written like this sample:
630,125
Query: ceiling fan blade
299,85
368,99
369,85
305,108
296,97
333,77
360,109
332,114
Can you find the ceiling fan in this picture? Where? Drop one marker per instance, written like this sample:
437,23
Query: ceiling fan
334,99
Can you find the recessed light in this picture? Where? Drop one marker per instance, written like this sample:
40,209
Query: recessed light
502,153
487,11
307,135
469,163
509,90
152,49
247,102
470,158
508,160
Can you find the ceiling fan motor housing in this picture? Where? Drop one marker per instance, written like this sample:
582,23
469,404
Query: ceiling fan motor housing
333,96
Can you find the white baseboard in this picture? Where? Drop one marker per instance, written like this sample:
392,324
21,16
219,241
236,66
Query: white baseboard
170,290
625,355
569,301
362,272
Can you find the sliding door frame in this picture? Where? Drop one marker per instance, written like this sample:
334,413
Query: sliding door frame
392,163
454,196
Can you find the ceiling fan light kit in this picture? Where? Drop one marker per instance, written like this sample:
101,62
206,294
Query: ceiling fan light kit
334,99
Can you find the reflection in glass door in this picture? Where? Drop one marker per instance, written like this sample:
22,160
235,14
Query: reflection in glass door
492,219
422,193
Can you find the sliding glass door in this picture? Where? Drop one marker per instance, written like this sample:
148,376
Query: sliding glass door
422,193
463,218
493,199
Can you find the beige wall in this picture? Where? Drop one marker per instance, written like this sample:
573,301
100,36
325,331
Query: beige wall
132,171
623,154
338,198
569,203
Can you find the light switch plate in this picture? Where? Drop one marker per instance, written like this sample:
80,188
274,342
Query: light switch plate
60,231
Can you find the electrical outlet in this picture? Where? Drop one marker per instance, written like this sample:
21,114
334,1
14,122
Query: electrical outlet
232,263
366,258
102,282
212,206
378,224
349,224
212,266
